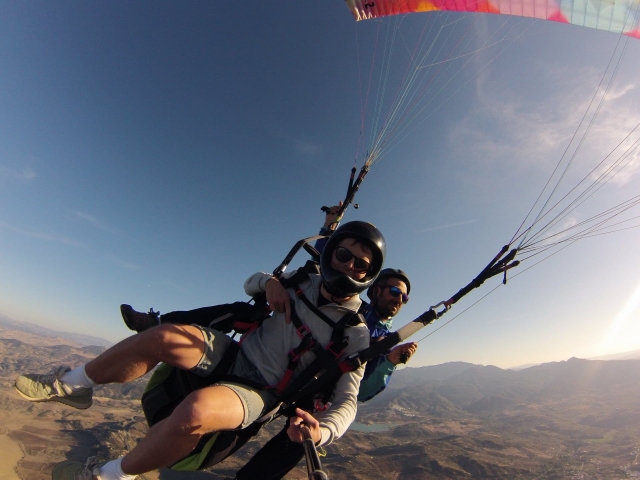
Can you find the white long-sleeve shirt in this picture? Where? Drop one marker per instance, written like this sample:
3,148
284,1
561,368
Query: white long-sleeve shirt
268,347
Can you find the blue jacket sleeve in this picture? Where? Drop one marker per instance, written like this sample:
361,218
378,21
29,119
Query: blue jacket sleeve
376,378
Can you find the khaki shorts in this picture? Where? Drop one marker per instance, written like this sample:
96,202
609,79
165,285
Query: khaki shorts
254,400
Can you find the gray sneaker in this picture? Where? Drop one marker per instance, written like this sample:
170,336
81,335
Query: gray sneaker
71,470
49,388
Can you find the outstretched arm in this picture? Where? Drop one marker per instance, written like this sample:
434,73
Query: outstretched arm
342,412
331,222
379,370
295,427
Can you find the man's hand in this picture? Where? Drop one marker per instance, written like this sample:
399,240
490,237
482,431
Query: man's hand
294,430
331,219
278,298
395,356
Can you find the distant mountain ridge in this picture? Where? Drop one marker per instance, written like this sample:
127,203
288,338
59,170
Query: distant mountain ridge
631,355
453,387
32,329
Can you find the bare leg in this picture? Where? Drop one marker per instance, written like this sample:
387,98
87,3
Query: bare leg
179,345
207,410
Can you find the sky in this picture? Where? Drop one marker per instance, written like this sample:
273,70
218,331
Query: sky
158,154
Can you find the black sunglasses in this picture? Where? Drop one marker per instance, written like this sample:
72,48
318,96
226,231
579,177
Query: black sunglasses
396,292
344,255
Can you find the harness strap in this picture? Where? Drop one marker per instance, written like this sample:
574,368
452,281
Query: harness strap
300,294
294,282
325,359
324,356
247,327
332,372
307,343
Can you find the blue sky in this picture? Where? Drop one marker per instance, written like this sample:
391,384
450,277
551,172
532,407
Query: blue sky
159,153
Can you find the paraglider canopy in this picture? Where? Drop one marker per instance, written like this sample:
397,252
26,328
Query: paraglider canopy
619,16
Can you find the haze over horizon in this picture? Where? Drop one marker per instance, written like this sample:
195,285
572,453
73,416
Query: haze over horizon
90,340
158,157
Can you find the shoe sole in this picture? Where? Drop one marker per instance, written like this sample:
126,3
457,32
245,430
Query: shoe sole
127,311
124,311
66,401
58,471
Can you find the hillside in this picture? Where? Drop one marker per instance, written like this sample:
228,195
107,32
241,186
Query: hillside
572,419
31,333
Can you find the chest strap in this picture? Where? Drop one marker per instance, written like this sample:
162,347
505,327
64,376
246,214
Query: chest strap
323,356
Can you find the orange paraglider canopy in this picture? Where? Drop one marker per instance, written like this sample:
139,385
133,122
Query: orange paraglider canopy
618,16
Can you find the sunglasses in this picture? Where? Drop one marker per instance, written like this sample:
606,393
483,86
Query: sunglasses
396,292
344,255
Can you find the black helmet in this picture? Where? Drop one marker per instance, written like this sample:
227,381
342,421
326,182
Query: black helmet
337,283
390,273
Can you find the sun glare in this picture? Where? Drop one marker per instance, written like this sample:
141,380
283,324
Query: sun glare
620,336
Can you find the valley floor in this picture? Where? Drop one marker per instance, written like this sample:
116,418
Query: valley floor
10,455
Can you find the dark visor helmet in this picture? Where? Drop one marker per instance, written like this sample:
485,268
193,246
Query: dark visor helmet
389,273
339,284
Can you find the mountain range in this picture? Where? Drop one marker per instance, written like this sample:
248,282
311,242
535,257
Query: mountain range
12,328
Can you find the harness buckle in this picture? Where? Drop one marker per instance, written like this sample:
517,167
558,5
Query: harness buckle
303,331
351,363
320,406
330,348
294,356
